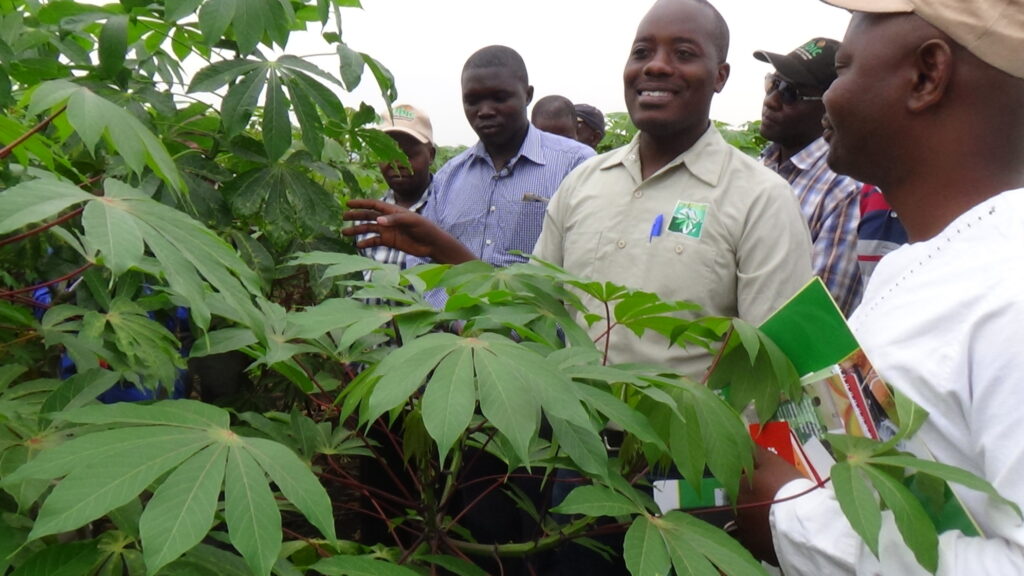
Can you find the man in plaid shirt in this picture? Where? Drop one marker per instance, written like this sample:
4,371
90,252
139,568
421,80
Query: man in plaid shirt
791,118
408,184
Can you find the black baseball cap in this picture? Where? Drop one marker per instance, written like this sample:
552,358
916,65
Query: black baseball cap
813,63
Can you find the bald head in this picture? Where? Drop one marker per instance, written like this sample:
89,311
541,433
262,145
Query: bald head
718,29
933,125
556,115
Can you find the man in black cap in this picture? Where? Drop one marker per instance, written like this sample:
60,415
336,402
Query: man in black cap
791,120
589,125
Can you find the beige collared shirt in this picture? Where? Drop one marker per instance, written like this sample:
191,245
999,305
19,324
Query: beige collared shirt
731,238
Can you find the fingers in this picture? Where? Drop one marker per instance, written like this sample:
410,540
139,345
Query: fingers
378,206
363,228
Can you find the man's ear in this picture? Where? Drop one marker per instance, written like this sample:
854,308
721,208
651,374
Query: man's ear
722,76
934,71
433,153
529,95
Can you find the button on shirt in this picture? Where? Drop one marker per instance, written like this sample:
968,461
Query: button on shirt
731,239
830,203
496,212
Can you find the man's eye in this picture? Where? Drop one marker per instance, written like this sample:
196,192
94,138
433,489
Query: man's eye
639,52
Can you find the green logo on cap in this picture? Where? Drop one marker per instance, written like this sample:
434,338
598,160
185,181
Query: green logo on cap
404,113
812,48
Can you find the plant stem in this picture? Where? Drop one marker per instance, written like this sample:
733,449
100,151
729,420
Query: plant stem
43,228
6,150
520,549
6,295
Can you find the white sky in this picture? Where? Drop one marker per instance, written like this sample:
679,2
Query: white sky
575,48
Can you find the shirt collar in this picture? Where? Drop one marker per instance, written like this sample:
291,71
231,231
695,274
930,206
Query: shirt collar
804,159
532,149
704,159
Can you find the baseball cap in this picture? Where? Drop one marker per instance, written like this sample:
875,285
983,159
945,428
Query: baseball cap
590,116
408,120
992,30
813,63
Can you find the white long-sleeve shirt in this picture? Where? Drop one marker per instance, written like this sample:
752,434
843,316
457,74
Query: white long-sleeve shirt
942,321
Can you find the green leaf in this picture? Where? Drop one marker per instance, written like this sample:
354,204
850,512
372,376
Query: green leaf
453,564
250,23
582,443
593,500
724,551
113,44
277,128
218,74
114,233
175,10
508,400
76,454
688,560
214,18
360,566
727,443
352,66
181,413
79,390
65,559
37,200
405,369
748,337
100,486
181,512
911,519
221,341
644,549
621,413
950,474
858,503
254,522
296,481
385,79
688,451
911,416
449,401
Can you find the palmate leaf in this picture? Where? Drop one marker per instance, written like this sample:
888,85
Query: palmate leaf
96,488
722,550
508,399
727,443
190,443
93,117
113,232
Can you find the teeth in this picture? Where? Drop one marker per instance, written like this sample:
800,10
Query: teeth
654,93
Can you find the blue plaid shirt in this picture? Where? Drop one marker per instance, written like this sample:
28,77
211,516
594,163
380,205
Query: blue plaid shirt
831,204
494,213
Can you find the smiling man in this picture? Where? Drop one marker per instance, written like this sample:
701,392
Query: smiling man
492,197
791,120
678,211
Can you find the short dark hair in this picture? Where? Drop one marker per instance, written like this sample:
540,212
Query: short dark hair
498,57
720,32
554,106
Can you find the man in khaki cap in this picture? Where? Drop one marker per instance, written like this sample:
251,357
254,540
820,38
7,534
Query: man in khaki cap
408,182
929,105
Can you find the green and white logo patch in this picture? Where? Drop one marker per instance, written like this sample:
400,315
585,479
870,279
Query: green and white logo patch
688,219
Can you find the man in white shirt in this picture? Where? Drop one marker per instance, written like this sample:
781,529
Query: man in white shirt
929,104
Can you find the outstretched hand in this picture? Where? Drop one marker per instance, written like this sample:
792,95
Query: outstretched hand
404,230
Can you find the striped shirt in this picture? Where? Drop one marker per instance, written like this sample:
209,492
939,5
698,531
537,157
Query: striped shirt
830,203
494,213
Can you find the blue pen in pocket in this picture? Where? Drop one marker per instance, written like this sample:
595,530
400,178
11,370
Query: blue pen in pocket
656,227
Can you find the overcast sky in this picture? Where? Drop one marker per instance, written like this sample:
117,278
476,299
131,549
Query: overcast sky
575,48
